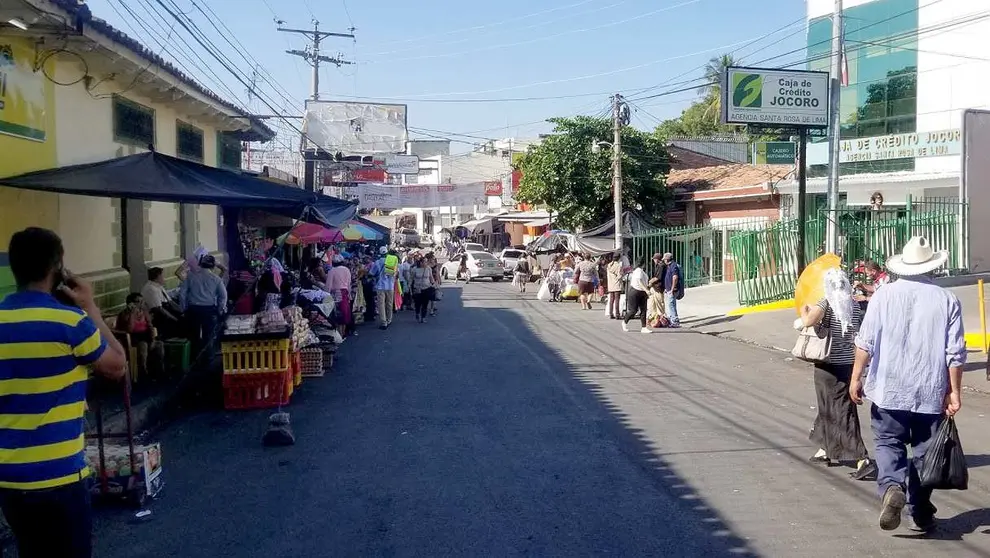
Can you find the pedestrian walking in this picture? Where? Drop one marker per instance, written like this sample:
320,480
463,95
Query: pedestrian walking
586,275
613,272
521,273
837,430
48,348
423,288
637,297
385,270
673,288
910,353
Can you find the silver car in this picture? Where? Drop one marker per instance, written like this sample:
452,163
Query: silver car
407,237
479,264
509,257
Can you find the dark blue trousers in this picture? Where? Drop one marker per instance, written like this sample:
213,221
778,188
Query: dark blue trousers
893,432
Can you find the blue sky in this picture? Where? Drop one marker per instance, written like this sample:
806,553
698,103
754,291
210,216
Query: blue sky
576,51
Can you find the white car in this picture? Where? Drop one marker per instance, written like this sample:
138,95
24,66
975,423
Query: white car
479,264
473,247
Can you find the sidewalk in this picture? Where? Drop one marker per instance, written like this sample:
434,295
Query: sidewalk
704,309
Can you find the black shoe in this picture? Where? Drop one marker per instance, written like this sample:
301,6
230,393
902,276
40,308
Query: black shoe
867,472
921,524
819,460
383,327
890,508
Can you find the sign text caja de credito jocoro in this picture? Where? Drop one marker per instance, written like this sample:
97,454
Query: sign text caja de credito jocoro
785,98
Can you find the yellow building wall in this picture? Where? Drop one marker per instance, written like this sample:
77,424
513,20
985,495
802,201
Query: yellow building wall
27,143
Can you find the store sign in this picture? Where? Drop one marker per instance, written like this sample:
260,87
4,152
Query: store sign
22,92
939,143
775,153
493,188
785,98
384,196
402,164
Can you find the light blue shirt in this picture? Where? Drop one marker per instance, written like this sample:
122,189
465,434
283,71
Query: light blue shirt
383,281
913,331
202,287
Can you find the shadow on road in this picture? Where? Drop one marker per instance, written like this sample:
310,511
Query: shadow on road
465,436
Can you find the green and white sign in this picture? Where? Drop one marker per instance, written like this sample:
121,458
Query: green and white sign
774,153
785,98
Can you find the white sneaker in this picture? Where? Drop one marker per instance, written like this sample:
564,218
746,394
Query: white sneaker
646,330
625,326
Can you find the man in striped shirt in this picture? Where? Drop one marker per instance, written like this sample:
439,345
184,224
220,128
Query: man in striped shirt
46,351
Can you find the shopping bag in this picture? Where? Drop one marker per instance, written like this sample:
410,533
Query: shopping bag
543,294
944,465
437,295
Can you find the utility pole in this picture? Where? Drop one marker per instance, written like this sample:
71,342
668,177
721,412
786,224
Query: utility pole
312,54
831,223
620,115
313,57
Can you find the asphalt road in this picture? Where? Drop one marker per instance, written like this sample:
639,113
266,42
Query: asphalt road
508,427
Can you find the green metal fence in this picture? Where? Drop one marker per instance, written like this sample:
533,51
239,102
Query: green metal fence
700,249
764,261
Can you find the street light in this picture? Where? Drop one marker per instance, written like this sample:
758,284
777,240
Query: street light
596,146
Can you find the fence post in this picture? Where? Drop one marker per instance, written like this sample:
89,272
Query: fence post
910,209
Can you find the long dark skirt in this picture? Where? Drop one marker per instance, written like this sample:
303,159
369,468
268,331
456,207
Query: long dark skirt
836,428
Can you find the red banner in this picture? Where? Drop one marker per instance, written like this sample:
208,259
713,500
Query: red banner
493,188
368,175
516,178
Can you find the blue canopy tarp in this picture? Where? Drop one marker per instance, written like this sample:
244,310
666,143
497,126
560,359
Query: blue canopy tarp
156,177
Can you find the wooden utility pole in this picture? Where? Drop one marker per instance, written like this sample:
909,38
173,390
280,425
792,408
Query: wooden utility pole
620,117
312,53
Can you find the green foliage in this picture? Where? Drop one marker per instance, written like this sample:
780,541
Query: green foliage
563,173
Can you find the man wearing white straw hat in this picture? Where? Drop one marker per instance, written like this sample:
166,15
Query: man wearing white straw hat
910,351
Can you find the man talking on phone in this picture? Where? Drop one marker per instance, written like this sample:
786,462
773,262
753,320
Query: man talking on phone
51,335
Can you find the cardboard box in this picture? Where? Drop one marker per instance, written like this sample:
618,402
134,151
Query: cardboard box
120,478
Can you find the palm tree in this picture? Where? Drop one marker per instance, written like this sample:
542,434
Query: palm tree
712,89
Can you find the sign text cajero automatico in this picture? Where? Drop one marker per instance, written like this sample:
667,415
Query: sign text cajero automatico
775,97
939,143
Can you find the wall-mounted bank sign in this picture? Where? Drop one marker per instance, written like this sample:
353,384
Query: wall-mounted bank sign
774,153
768,97
917,145
902,146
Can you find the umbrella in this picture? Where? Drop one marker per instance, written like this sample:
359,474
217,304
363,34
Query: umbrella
357,231
810,286
308,233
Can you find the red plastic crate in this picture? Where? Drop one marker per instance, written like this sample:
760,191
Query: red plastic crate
257,390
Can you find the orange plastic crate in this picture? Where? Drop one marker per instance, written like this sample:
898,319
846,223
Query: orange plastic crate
257,390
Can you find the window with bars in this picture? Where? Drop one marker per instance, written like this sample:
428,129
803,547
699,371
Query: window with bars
228,151
188,141
133,123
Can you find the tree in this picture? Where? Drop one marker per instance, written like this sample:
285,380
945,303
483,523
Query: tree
563,173
712,90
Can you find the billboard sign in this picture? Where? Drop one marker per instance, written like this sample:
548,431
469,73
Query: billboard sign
384,196
916,145
775,153
401,164
355,128
22,92
769,97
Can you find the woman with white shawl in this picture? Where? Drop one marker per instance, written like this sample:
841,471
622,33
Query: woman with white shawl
837,430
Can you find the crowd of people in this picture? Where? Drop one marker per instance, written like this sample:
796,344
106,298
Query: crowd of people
648,290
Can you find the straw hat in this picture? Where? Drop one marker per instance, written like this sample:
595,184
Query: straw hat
917,258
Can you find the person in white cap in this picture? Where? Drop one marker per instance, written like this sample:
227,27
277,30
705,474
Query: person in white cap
910,352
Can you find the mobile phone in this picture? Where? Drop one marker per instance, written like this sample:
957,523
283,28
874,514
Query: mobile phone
63,277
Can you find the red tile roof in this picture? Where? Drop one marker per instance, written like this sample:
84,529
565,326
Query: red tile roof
733,175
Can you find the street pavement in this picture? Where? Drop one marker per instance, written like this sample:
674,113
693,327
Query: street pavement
512,427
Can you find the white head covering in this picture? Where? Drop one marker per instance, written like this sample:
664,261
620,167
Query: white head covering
838,293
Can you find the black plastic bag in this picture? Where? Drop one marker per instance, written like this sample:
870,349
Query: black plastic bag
944,466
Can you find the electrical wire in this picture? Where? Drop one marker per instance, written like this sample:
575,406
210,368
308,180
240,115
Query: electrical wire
490,48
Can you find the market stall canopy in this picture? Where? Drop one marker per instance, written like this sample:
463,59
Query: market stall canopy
383,231
309,233
156,177
480,226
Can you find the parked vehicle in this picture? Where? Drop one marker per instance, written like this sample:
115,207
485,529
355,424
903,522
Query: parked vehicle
473,247
479,264
407,237
509,257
